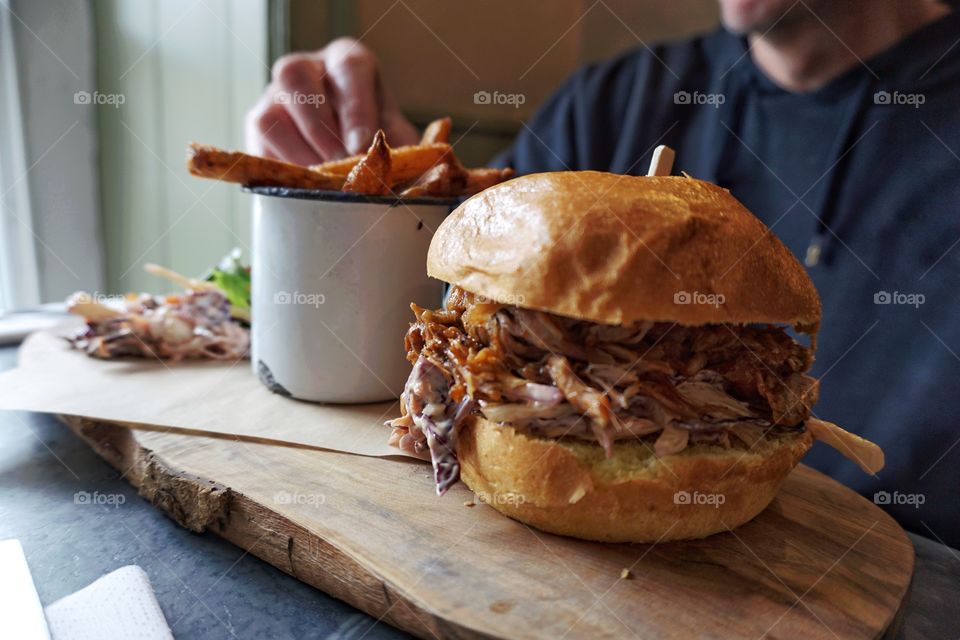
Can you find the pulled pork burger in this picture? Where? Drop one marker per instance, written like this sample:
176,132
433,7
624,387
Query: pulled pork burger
613,361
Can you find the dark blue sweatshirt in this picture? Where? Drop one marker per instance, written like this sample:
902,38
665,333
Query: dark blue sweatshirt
862,179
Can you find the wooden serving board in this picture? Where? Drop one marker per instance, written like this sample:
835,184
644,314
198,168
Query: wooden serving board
820,562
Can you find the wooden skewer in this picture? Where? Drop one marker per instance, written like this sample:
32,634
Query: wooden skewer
178,279
662,162
196,285
82,304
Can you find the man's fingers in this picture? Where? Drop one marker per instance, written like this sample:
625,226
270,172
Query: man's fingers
352,74
271,132
322,106
281,139
398,129
362,103
253,123
301,81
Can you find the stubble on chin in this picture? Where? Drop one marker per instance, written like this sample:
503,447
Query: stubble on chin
746,17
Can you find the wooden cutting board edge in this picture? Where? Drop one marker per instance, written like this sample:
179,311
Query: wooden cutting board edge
201,504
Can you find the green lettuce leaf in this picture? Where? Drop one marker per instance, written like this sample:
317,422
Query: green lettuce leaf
234,278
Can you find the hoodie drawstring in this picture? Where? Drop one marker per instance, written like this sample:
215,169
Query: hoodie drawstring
718,142
823,241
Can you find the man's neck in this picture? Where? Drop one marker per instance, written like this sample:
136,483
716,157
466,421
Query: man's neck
819,41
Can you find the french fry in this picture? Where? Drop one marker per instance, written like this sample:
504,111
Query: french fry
179,279
441,181
233,166
437,131
408,162
427,169
371,175
416,190
480,179
339,167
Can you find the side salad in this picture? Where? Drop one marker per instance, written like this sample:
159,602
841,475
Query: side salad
211,319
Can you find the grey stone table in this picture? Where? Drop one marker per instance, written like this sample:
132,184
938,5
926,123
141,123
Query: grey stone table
209,588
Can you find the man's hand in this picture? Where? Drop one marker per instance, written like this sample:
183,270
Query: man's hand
324,105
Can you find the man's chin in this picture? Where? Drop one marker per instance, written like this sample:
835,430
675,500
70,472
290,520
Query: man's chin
741,17
736,28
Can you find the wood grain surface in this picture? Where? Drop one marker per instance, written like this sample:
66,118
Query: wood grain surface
820,562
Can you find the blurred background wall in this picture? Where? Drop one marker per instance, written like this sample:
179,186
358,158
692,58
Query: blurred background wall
437,54
175,71
188,70
50,227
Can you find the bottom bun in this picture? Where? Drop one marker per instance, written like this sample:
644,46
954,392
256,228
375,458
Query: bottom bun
570,488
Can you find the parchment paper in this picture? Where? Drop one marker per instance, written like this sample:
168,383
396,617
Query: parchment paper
201,398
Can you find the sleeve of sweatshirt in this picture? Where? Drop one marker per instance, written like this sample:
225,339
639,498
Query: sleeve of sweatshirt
577,127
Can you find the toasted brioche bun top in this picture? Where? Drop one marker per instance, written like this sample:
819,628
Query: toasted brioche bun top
618,249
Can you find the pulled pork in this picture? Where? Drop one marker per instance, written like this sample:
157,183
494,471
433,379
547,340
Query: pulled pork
552,376
196,324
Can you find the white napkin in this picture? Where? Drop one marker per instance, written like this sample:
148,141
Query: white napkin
118,605
21,615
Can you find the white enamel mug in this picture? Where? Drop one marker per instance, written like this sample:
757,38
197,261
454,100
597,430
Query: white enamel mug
333,276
